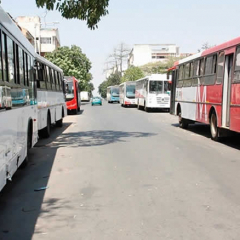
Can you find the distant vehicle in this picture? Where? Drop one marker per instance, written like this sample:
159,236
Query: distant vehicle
5,97
72,93
96,101
20,96
113,94
85,96
206,88
153,92
127,93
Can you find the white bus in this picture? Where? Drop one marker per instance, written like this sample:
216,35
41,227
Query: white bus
113,94
127,93
5,97
50,95
85,96
18,116
153,92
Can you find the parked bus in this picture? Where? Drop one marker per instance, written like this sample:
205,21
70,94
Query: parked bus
206,89
127,93
50,95
72,93
153,92
85,96
5,97
113,94
18,122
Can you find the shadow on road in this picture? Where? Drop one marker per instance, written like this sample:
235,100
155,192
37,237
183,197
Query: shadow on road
204,130
94,138
20,204
73,113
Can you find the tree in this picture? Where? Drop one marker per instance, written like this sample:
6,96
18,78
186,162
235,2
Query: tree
88,10
102,89
114,79
118,58
73,62
132,74
205,46
159,67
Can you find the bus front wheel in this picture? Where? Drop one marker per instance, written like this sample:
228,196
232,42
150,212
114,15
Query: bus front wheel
29,143
214,128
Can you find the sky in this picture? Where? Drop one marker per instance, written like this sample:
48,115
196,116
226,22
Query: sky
187,23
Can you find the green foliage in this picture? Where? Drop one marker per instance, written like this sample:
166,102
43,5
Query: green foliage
113,79
88,10
102,89
132,74
159,67
75,63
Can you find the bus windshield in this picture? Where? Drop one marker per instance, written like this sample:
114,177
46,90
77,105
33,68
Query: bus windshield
156,86
130,91
69,91
115,92
167,87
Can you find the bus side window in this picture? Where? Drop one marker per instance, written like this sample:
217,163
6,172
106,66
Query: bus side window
220,67
202,71
180,76
1,67
237,66
4,56
10,62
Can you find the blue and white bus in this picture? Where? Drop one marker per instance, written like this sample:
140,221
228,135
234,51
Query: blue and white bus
31,97
113,94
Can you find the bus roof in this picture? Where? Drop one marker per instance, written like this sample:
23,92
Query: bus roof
155,77
115,86
69,78
11,26
44,60
130,82
209,51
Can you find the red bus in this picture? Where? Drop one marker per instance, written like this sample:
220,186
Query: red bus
206,89
73,99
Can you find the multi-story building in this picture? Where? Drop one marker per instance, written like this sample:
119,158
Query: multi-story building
142,54
49,40
45,39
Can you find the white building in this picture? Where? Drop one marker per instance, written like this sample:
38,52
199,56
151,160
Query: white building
49,40
142,54
45,39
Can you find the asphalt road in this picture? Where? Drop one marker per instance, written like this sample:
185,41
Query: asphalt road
123,174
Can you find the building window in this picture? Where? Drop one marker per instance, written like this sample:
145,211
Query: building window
46,40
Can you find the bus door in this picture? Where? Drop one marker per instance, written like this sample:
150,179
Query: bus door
173,91
228,69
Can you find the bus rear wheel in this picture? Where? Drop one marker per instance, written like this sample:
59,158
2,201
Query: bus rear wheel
47,130
145,107
182,121
214,128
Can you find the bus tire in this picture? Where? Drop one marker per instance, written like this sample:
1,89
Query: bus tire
29,143
138,107
75,111
47,130
213,127
145,107
182,121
